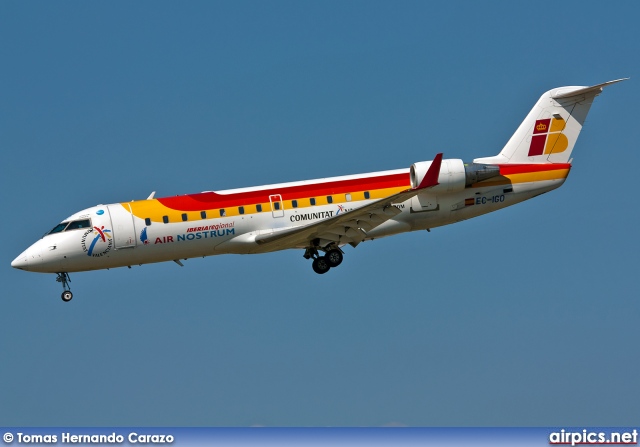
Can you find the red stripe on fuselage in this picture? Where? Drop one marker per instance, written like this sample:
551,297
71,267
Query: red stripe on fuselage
209,200
528,168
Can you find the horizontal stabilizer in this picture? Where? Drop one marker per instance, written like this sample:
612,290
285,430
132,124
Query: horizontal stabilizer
584,90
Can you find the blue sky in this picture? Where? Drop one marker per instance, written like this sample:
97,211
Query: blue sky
527,316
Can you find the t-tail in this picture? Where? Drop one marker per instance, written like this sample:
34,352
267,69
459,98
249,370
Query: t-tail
550,130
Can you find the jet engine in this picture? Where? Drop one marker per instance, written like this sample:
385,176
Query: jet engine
455,175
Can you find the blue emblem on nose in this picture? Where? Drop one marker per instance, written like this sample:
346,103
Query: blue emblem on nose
100,212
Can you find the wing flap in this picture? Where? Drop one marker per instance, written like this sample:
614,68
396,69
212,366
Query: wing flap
352,226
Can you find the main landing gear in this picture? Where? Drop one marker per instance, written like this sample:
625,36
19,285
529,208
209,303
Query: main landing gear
65,279
321,264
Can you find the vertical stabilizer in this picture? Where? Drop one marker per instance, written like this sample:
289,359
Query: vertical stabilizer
550,130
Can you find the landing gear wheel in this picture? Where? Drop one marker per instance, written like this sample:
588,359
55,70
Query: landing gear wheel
334,257
320,265
64,279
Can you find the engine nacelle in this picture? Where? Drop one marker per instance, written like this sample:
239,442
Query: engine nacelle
455,175
452,176
477,172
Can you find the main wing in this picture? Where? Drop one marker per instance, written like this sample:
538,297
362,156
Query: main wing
352,226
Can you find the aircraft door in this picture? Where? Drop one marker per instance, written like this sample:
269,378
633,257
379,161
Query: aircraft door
277,208
124,233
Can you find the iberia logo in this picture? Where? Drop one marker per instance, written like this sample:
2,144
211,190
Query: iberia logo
100,244
548,138
143,236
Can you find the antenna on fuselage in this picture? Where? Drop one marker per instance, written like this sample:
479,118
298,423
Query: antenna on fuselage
151,195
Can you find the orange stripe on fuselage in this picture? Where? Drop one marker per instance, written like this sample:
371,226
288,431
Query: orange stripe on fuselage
378,187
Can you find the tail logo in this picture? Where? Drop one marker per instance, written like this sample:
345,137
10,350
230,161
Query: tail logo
548,138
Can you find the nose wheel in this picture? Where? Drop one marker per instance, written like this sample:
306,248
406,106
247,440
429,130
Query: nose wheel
65,279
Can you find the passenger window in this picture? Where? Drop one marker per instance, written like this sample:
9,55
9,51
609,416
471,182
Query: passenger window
259,208
329,199
184,217
312,201
58,228
203,214
147,221
366,194
165,219
77,224
222,212
294,203
241,209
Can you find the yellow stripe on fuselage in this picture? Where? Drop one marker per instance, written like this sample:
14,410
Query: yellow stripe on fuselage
527,177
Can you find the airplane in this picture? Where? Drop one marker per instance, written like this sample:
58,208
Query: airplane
324,215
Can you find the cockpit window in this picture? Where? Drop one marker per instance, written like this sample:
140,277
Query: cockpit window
58,228
76,224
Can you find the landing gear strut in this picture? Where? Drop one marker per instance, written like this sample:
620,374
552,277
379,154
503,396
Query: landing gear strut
65,279
322,264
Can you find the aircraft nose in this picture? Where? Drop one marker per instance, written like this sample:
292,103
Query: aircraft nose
29,259
21,261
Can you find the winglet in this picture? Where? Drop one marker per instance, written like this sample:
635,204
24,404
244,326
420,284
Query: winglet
431,177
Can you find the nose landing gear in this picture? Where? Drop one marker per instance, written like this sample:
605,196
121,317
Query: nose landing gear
65,279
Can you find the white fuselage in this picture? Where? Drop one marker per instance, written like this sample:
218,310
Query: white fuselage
117,235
